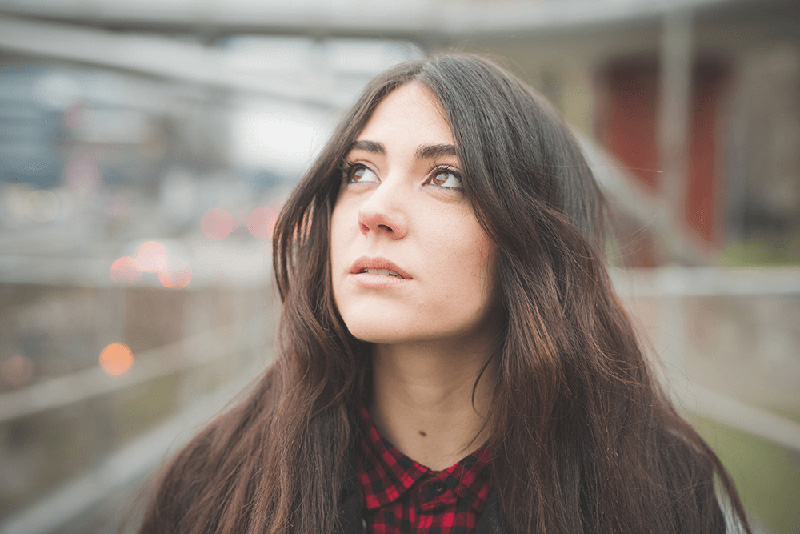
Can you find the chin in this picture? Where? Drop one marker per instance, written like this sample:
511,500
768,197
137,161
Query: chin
372,331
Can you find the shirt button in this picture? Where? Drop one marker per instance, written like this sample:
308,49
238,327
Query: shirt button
438,487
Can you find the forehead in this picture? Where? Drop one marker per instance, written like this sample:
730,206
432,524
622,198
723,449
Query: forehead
409,115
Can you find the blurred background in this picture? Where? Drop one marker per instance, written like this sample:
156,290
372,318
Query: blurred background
146,148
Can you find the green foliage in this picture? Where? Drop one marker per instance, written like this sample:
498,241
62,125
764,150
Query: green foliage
753,252
766,475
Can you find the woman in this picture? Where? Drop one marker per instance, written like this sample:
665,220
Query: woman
452,357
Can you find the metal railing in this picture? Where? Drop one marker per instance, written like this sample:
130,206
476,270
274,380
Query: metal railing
135,460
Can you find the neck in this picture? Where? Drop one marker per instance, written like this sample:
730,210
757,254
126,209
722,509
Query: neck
423,400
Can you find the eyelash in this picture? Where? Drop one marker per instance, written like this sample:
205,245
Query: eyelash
349,167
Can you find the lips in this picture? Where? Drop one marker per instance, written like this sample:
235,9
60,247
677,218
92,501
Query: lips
378,267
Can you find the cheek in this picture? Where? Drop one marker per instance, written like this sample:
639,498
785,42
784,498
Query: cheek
472,268
477,250
486,264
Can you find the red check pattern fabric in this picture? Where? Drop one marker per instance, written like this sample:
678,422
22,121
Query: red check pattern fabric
399,495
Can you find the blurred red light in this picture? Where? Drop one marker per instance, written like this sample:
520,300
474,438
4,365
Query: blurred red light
125,270
177,276
116,359
261,222
217,224
152,257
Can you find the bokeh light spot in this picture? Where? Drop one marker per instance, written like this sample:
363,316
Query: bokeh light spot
125,270
116,359
217,223
152,257
44,206
82,172
261,222
16,371
177,276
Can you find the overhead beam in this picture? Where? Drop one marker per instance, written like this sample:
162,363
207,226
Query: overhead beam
437,24
153,56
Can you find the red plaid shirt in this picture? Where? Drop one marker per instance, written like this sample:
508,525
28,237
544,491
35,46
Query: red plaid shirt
398,495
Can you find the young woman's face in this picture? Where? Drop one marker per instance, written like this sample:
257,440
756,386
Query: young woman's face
410,263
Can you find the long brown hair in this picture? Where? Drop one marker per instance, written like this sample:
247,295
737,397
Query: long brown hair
582,439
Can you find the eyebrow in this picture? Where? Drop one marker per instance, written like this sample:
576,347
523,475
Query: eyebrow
422,151
435,151
368,146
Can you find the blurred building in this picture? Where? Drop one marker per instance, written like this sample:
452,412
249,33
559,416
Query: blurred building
696,99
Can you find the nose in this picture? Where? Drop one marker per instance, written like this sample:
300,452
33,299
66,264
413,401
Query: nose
381,213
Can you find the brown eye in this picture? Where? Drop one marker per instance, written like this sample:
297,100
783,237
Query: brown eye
444,177
359,173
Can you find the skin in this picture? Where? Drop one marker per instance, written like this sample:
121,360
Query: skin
432,332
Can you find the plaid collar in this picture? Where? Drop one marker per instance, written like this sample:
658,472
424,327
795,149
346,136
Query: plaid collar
385,474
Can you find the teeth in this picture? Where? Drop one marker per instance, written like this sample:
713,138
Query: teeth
384,272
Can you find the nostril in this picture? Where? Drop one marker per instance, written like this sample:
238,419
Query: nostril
381,222
383,227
